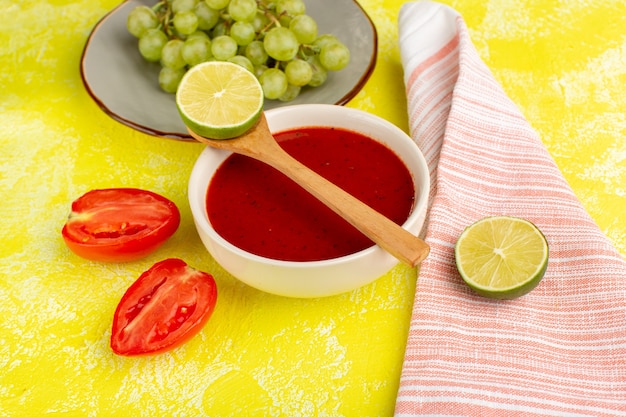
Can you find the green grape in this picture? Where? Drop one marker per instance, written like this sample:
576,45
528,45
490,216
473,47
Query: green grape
151,43
242,61
255,52
290,93
304,27
274,39
140,19
242,32
320,74
207,17
259,70
217,4
334,56
169,78
196,50
183,5
324,40
274,83
198,34
281,44
260,21
172,54
223,47
298,72
218,30
185,22
284,20
242,10
290,7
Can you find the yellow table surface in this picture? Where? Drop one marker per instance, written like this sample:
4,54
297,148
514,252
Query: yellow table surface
563,62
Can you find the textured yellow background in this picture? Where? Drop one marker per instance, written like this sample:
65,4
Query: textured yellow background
564,63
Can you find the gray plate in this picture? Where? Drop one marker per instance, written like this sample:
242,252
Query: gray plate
126,87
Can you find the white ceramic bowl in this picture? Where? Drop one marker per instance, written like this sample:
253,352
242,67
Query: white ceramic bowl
315,278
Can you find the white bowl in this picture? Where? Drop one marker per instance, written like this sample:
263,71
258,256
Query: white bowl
314,278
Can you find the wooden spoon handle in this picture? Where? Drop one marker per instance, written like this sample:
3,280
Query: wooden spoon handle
399,242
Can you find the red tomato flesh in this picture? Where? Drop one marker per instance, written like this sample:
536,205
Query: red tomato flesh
119,224
167,305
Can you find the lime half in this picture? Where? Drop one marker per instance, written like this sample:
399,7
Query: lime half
502,257
219,100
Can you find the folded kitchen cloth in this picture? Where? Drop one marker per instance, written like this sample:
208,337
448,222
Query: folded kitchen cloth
559,350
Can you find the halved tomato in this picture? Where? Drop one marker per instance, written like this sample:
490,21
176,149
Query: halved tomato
119,224
165,307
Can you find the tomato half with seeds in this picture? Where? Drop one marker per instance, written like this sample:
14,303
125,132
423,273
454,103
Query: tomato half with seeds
119,224
167,305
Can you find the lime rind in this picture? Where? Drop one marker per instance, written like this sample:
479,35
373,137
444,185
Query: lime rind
221,102
468,261
511,292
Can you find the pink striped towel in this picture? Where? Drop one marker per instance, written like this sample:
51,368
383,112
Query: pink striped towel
559,350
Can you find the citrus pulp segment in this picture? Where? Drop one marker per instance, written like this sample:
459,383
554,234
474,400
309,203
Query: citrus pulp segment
502,257
219,100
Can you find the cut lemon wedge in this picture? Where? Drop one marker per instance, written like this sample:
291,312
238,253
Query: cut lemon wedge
502,257
219,100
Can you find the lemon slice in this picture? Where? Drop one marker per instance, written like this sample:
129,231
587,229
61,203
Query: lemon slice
502,257
219,100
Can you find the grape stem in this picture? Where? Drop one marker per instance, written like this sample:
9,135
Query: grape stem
163,11
157,7
267,11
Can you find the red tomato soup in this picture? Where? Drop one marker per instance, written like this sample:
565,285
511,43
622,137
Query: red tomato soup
260,210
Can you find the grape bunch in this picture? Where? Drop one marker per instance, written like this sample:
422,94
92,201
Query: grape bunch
274,39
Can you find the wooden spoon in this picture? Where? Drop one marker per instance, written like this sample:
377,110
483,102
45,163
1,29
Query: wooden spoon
258,143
